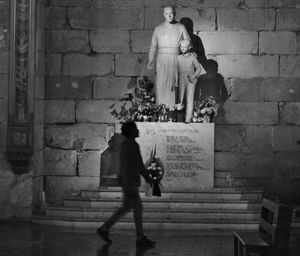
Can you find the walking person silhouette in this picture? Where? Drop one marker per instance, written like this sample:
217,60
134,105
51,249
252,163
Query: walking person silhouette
131,167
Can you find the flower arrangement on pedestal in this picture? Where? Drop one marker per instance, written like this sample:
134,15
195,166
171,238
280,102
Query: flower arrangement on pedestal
144,109
205,110
156,171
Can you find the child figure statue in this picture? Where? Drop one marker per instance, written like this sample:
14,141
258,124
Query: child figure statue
189,71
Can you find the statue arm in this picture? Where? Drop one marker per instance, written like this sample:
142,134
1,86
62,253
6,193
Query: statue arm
153,48
198,68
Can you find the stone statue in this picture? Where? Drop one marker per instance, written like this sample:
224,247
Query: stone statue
189,71
165,41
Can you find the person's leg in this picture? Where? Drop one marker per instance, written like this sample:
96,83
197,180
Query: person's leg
103,231
136,203
190,90
118,213
138,216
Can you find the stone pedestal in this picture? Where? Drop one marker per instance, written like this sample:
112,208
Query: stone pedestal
185,150
110,162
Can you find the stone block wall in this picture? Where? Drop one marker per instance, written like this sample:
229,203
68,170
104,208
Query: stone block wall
95,49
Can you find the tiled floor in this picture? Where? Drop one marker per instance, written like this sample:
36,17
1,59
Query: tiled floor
25,239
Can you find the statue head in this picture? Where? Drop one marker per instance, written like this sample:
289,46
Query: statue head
169,14
185,46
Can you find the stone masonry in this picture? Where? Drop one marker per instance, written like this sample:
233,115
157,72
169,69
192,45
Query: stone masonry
95,50
21,194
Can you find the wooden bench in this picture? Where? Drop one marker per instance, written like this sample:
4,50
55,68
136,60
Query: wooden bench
273,235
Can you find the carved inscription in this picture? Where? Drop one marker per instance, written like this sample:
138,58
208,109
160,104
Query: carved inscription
186,151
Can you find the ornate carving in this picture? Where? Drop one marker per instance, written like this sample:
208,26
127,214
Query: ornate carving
20,123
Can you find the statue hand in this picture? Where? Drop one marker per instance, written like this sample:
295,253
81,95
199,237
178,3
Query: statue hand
150,66
193,54
191,79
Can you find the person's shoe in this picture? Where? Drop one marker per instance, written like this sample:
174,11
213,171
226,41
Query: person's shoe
144,241
104,234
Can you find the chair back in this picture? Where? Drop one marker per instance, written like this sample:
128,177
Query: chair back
275,223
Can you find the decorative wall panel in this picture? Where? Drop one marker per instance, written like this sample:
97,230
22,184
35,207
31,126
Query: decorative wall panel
21,85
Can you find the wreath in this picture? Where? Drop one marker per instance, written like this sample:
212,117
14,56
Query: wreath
156,172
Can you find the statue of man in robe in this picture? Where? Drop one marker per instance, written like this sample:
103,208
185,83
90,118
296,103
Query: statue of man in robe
165,41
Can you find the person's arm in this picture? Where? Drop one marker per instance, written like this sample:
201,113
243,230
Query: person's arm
198,69
152,50
142,168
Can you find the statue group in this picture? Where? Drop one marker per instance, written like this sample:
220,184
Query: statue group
176,75
179,54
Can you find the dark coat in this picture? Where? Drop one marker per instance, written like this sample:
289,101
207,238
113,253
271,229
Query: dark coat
131,165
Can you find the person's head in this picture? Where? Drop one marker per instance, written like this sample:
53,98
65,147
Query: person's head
130,130
169,14
185,46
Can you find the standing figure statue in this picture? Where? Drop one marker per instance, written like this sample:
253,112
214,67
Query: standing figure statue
189,71
165,41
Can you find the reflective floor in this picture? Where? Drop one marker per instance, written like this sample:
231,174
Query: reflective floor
37,240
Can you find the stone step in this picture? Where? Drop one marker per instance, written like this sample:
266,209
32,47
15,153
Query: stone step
161,203
217,194
149,224
167,214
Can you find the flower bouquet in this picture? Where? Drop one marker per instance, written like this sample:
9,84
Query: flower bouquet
156,171
205,110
